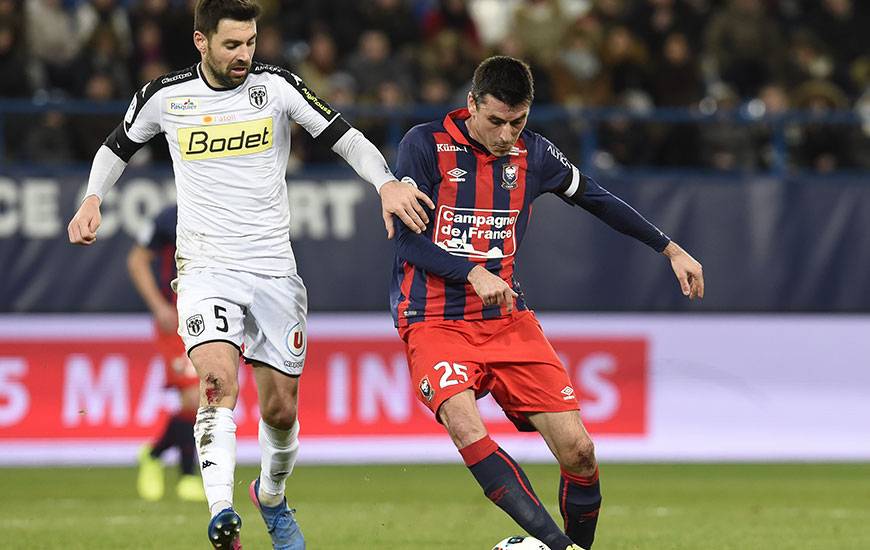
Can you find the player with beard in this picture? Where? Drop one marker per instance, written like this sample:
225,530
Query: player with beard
227,123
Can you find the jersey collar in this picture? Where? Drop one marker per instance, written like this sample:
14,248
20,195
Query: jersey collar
457,128
205,80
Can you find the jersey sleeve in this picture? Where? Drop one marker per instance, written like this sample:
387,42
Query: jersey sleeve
415,161
140,124
619,215
556,174
559,176
416,165
311,112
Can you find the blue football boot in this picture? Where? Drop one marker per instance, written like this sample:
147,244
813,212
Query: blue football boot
223,530
280,522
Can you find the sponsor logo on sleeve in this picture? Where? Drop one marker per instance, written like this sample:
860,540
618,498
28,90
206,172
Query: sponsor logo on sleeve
131,111
462,231
225,140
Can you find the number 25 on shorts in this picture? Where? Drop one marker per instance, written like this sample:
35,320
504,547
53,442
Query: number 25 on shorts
451,373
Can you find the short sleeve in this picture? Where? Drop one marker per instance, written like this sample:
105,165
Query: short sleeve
305,107
142,120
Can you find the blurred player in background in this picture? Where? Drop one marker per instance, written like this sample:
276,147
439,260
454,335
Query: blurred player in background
227,123
461,313
154,253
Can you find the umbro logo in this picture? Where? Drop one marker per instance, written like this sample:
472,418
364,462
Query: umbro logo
207,463
457,174
568,393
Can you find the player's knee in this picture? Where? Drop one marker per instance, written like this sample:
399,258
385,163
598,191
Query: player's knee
579,457
220,388
280,416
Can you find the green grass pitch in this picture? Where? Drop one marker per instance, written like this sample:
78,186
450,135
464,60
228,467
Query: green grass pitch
693,507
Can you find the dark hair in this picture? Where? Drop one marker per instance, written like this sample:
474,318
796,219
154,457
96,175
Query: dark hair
507,79
208,13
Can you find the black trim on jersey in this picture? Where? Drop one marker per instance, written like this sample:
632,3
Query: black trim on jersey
193,347
249,361
121,145
148,90
332,133
319,105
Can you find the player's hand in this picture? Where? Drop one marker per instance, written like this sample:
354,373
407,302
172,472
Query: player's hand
687,269
491,288
83,227
166,317
404,201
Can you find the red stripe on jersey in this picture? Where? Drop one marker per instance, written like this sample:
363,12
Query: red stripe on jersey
518,199
482,200
435,298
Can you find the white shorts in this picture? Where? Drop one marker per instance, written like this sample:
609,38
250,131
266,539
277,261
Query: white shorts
261,315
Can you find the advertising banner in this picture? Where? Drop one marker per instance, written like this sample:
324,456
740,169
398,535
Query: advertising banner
91,389
767,245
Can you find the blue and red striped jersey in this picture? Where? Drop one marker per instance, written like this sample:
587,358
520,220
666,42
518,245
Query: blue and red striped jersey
482,208
159,237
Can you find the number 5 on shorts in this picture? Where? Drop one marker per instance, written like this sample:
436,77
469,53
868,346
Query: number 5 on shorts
449,371
218,315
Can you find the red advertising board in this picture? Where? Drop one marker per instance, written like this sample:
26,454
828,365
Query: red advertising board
56,388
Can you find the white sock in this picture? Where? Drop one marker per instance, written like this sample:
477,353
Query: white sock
215,434
278,450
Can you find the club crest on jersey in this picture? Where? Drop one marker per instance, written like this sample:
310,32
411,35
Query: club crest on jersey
426,389
257,95
195,325
296,340
509,173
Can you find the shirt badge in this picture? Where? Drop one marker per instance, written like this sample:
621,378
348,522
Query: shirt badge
257,95
509,173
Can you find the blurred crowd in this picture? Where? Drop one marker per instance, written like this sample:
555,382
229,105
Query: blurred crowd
748,57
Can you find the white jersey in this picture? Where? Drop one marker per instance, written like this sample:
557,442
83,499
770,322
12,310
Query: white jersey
229,152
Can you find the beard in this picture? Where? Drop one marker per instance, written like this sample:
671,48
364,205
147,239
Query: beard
223,76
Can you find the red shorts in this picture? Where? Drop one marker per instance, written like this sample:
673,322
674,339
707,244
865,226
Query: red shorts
509,357
179,370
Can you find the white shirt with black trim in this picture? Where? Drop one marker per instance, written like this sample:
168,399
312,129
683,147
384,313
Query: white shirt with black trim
229,151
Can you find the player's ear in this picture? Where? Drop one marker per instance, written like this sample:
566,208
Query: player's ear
200,41
472,105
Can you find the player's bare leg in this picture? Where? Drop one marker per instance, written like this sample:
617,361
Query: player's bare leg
579,488
217,364
502,479
278,435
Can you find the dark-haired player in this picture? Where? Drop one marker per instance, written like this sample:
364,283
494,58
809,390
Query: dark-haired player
227,122
462,316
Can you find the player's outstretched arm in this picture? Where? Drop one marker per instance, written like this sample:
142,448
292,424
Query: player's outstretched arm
404,201
491,288
105,171
397,198
83,227
687,269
